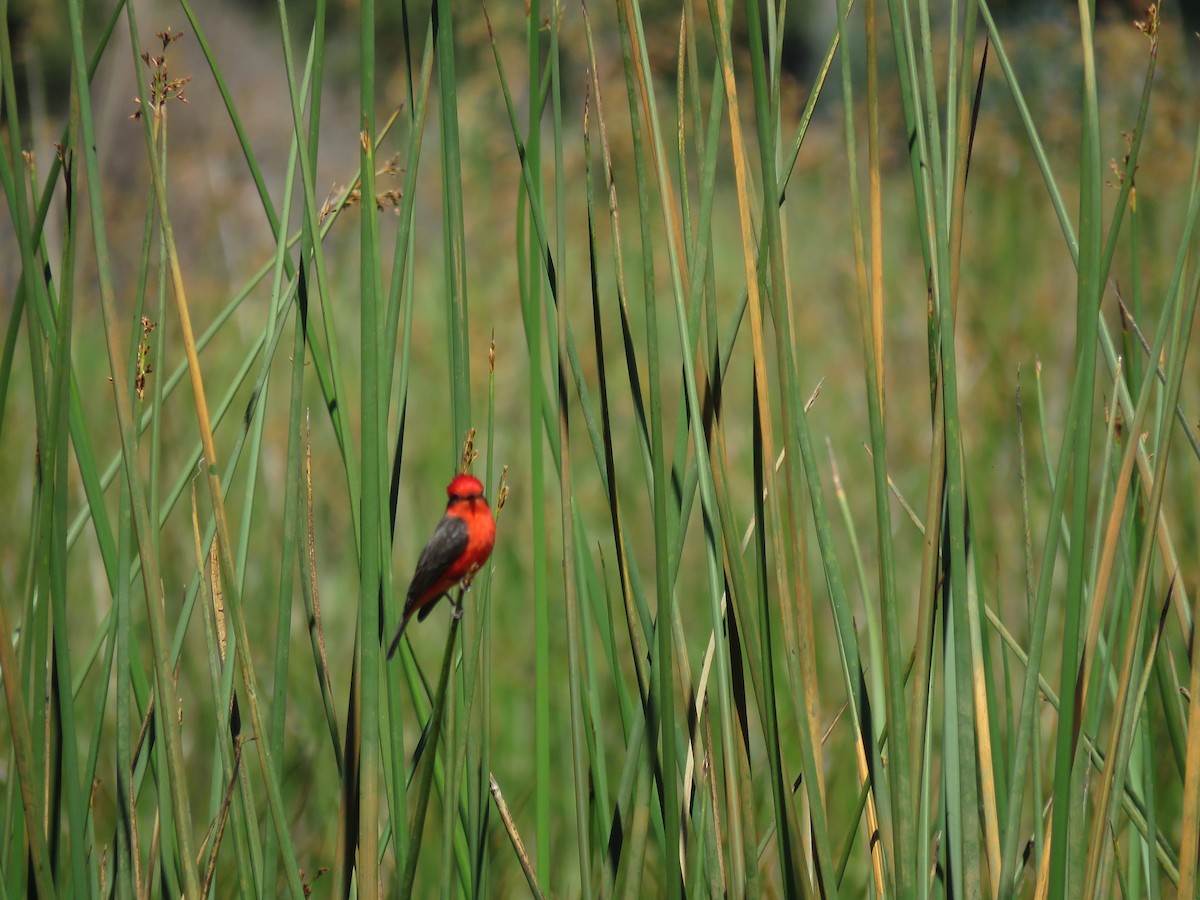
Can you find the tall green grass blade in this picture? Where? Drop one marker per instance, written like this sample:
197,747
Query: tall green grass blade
529,252
433,734
1064,836
575,634
373,420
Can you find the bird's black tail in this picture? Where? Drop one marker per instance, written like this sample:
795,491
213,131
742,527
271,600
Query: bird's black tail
399,634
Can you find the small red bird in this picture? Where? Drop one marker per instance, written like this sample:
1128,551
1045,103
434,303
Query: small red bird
458,548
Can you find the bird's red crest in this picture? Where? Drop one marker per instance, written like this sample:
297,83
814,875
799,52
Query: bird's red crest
463,486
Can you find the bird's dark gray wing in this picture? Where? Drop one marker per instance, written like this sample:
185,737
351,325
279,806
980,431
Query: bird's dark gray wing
447,543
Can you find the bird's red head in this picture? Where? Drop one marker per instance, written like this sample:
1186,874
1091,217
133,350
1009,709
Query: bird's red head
464,487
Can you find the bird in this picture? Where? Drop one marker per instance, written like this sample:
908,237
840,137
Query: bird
459,546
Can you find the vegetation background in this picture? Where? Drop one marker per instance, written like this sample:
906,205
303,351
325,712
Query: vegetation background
795,330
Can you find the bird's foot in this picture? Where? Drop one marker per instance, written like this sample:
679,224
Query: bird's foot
458,610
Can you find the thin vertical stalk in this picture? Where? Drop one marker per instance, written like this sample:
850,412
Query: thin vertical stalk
580,770
372,469
1063,832
531,309
177,777
216,493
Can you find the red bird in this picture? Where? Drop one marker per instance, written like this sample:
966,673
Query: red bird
458,548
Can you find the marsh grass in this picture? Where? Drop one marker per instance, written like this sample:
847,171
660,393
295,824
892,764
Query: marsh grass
846,523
